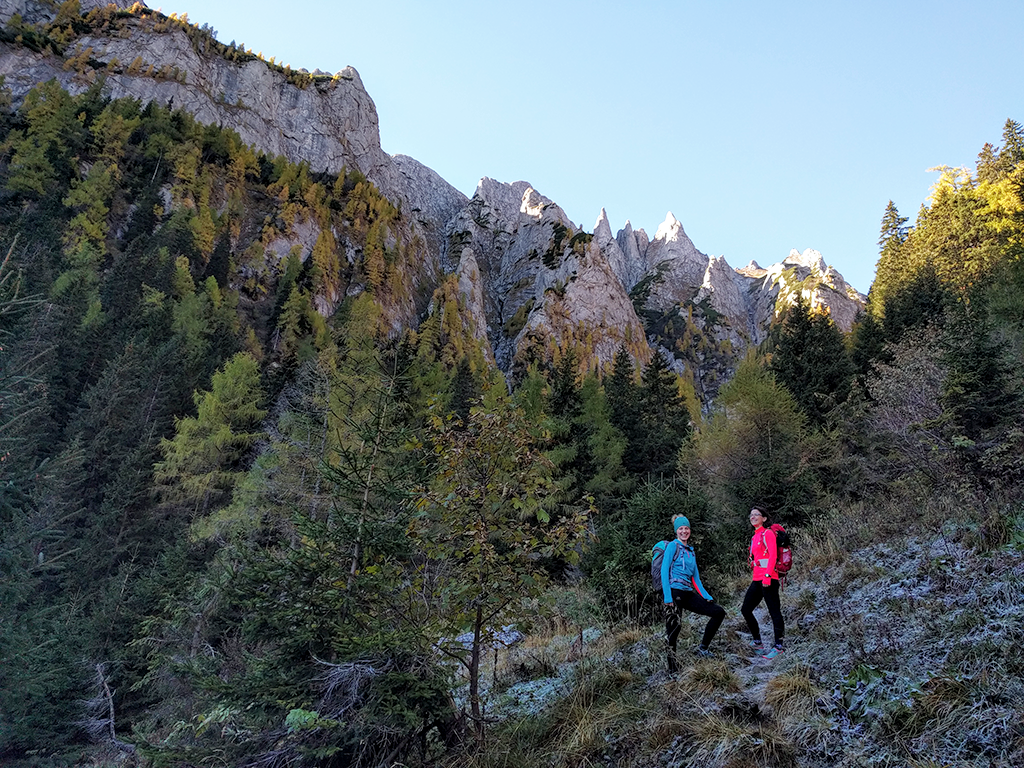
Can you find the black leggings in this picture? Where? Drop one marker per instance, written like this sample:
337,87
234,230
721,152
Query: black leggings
691,601
756,592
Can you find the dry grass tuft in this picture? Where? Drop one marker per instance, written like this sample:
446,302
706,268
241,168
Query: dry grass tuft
709,676
714,741
820,544
791,692
663,732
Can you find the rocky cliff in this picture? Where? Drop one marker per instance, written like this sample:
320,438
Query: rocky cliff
326,120
537,282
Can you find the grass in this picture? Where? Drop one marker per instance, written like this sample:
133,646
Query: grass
912,658
710,676
792,692
714,741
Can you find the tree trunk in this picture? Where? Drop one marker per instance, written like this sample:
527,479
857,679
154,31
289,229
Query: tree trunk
474,678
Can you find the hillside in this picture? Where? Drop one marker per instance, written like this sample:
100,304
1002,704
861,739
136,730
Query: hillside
292,433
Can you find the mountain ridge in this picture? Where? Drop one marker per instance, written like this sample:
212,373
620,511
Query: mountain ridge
330,122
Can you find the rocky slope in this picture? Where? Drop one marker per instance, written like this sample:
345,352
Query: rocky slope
535,280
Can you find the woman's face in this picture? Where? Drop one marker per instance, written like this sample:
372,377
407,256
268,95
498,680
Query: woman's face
683,533
756,518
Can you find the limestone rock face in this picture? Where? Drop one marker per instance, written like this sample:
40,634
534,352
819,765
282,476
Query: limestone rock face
622,253
505,229
330,124
821,286
588,309
680,264
34,11
431,201
728,293
30,11
633,246
471,287
546,284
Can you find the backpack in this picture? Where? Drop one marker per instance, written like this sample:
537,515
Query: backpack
657,555
784,558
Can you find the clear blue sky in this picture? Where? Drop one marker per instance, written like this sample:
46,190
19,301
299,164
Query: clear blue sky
762,126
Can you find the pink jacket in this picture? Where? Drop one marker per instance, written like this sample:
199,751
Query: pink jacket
763,553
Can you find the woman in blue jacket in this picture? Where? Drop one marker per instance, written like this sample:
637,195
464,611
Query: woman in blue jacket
682,589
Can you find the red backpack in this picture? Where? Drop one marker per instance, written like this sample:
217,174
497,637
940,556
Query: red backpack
784,557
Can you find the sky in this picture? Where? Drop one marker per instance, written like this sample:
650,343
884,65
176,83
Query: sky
763,127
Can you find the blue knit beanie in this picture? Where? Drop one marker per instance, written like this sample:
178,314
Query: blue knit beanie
678,521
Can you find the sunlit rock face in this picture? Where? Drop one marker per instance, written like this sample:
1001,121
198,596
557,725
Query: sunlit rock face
680,265
533,283
331,123
34,11
546,285
821,286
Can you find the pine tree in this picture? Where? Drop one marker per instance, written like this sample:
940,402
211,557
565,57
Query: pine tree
919,301
1012,151
809,358
624,400
977,394
204,460
465,391
753,446
664,422
988,164
867,346
889,268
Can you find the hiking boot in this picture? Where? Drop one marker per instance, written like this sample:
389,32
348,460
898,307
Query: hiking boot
704,653
775,650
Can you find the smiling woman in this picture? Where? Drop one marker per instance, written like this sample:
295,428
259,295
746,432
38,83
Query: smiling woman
765,584
683,590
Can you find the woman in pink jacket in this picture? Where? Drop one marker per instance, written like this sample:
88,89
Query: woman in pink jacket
765,584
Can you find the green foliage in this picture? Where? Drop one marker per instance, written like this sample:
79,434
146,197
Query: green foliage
754,447
867,341
809,357
202,463
485,521
553,255
42,151
619,565
641,292
652,415
262,589
977,393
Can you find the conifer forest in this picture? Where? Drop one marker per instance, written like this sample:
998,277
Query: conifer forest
247,518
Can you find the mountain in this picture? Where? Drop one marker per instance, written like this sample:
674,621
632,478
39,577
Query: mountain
267,499
535,282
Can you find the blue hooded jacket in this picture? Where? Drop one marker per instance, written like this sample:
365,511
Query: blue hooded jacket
679,571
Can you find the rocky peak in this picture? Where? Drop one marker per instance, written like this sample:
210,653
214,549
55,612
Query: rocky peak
809,258
431,200
627,267
530,277
633,246
680,265
725,289
821,286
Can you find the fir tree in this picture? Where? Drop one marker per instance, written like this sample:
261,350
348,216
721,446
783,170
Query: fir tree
809,358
